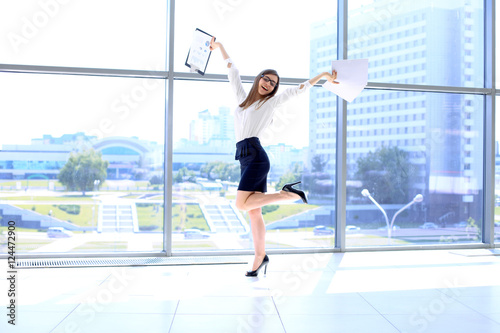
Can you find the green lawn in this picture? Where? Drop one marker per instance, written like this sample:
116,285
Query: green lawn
45,182
183,217
23,244
194,245
131,196
188,217
86,218
2,229
31,182
150,217
51,198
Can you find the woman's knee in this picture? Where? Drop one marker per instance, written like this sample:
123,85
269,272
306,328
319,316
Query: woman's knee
255,213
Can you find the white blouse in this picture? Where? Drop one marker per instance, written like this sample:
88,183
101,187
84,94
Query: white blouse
252,121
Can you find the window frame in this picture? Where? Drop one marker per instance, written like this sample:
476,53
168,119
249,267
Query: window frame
490,91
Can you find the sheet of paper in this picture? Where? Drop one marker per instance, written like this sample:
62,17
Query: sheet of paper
352,77
199,52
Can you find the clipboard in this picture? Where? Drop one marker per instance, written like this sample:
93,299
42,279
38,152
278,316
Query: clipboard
199,52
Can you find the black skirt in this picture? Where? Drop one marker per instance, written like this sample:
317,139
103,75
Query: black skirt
254,165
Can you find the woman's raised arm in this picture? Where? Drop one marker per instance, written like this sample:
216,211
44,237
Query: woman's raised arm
329,76
217,45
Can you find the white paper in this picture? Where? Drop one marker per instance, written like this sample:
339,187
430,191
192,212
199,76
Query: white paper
199,51
352,77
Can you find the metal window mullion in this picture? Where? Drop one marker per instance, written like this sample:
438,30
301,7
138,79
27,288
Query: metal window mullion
59,70
371,85
428,88
50,255
168,147
488,234
340,152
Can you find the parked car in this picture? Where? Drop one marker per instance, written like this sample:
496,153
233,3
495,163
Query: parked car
462,224
322,230
429,225
58,232
352,228
195,234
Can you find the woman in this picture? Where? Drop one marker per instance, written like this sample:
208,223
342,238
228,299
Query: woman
253,115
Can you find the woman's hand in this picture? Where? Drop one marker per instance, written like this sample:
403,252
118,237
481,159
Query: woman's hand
331,77
214,45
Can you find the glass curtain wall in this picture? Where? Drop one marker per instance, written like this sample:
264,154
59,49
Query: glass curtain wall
81,156
300,44
82,166
415,159
497,174
118,34
497,142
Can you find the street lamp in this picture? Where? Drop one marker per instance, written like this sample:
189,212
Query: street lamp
417,198
366,193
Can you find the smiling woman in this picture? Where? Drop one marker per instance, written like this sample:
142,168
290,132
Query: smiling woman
253,115
209,121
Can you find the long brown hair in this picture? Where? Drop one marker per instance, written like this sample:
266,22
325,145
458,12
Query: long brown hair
254,96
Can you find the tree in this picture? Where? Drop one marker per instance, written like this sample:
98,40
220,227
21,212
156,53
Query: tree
317,163
184,174
156,180
82,170
221,170
388,174
291,176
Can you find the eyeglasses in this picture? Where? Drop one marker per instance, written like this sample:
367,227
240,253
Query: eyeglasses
267,79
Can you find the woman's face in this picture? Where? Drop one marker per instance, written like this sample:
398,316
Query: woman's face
267,84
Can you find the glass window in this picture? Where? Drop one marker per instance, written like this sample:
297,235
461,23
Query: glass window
82,169
429,189
497,174
120,34
268,34
442,23
420,165
206,174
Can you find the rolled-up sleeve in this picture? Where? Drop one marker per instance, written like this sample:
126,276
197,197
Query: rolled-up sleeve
236,85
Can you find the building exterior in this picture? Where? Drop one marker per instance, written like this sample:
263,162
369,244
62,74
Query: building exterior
129,158
442,133
211,126
282,158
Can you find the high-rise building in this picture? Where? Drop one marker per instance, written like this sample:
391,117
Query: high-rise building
410,43
210,126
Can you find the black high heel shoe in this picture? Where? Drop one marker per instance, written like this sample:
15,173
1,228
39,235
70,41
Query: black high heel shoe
289,188
264,263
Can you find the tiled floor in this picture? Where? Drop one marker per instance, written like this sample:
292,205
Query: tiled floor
400,291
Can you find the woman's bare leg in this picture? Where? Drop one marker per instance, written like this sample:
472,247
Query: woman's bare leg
248,201
259,236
